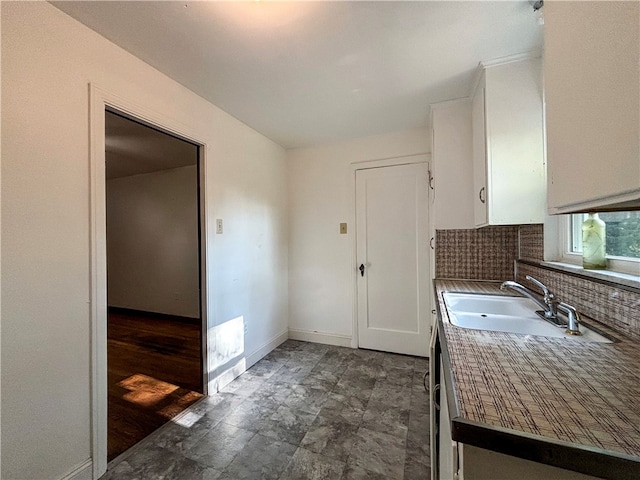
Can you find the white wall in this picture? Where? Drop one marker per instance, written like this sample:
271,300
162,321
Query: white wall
452,164
152,242
321,195
48,60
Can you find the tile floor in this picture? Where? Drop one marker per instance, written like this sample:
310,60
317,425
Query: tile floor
305,411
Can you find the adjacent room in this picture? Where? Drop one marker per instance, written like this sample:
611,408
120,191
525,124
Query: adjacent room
320,240
154,326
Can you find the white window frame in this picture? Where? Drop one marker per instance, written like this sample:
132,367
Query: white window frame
614,264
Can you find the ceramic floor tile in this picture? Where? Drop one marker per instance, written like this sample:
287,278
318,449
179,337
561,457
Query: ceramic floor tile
336,365
419,425
383,418
321,379
121,471
179,438
369,356
344,408
292,373
307,398
291,345
217,412
379,452
262,458
306,465
274,390
421,364
399,361
330,437
417,465
355,387
277,356
219,446
391,396
251,414
366,370
159,463
416,471
244,385
280,397
396,377
419,400
186,468
288,425
358,473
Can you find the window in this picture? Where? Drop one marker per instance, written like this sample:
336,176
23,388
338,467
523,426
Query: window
623,239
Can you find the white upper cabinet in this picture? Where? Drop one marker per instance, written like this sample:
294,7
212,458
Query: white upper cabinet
592,90
508,144
451,159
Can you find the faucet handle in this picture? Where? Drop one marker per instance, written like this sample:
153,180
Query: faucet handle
547,293
573,318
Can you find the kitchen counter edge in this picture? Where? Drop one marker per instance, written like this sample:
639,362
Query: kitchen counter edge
537,448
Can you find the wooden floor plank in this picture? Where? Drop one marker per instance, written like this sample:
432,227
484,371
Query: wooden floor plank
154,373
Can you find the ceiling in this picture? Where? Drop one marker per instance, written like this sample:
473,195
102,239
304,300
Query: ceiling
134,149
309,73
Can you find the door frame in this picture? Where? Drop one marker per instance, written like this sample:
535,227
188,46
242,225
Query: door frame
380,163
101,100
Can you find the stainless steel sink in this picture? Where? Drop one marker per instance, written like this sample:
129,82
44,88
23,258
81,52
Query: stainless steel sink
507,314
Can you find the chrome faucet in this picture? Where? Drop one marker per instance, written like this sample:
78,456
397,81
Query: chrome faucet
548,304
548,297
573,317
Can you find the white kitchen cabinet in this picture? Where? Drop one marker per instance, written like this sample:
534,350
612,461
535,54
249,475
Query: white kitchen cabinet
592,91
451,155
482,464
508,144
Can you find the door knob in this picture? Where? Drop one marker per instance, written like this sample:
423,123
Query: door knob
361,269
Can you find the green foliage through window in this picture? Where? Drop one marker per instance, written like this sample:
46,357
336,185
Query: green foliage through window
623,233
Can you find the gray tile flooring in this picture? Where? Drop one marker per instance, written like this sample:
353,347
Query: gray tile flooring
305,411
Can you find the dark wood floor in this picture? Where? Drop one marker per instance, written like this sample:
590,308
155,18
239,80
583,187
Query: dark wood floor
154,373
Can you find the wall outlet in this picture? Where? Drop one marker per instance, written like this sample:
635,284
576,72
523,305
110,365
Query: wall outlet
343,228
219,226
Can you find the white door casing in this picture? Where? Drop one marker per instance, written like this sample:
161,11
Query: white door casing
99,101
392,245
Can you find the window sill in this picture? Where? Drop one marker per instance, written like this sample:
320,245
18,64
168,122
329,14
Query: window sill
608,276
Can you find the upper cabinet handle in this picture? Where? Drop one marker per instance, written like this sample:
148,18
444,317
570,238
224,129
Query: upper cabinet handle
480,196
435,395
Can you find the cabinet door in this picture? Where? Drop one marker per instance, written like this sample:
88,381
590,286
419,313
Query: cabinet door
481,464
479,158
592,104
448,454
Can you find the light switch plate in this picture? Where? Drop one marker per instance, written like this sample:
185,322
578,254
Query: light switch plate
343,228
219,226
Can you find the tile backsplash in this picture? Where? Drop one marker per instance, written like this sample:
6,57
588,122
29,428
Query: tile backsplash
531,240
477,254
489,254
612,305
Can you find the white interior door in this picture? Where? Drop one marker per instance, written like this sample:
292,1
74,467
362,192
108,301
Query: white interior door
392,259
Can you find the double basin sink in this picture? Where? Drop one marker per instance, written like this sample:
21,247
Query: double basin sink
503,313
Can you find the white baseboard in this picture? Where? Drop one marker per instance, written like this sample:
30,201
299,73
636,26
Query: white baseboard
246,362
83,471
319,337
267,347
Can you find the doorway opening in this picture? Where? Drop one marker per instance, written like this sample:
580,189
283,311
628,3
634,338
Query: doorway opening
155,340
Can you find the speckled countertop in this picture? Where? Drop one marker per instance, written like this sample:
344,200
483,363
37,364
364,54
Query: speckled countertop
580,394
